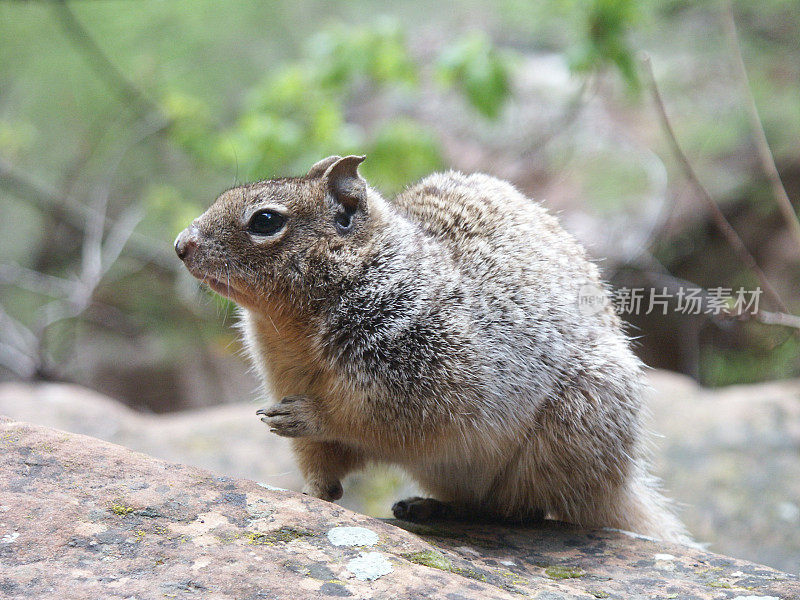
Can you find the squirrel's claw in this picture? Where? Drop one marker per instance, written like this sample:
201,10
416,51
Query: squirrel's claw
293,416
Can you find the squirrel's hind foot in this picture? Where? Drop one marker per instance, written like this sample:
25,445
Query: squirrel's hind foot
417,509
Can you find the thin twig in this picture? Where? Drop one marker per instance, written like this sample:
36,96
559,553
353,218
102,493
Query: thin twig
133,98
42,195
98,256
119,236
764,153
675,284
100,63
17,334
75,214
573,109
777,318
34,281
100,250
16,361
716,214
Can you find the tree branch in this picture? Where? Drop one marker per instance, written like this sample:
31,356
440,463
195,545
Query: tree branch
777,318
764,153
99,62
34,281
716,214
75,214
17,362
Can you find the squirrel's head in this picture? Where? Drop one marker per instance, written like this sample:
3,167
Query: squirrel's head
282,238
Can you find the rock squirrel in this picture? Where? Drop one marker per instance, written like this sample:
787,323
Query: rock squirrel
439,331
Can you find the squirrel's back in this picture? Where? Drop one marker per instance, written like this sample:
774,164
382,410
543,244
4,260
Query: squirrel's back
506,242
523,274
484,220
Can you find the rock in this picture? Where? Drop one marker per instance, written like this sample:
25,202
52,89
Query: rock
728,456
82,518
228,439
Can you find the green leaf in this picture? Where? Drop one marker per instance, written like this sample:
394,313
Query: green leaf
343,55
402,152
479,71
606,30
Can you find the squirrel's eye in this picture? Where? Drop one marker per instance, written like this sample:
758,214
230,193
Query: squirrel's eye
266,222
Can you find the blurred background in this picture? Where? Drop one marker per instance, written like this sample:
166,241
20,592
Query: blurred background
666,135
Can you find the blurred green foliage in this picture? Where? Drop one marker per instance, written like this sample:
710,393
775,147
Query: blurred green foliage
607,27
759,362
482,72
298,113
253,90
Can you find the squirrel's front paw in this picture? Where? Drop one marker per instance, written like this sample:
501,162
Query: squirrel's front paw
326,489
293,416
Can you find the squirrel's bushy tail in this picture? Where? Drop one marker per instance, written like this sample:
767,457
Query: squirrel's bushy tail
639,507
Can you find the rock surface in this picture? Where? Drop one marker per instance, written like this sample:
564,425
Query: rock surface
82,518
228,439
729,457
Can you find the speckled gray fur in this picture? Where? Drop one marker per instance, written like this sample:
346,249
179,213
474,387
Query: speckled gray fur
441,332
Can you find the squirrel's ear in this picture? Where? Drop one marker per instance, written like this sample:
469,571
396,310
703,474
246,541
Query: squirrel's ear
345,185
318,170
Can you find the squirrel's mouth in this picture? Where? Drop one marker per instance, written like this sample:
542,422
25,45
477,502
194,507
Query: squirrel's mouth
225,288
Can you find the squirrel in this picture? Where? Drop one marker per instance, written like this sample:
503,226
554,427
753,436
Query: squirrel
439,331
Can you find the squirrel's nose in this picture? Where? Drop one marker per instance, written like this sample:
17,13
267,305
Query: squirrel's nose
186,242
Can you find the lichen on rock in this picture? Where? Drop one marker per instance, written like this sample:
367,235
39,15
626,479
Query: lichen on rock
115,523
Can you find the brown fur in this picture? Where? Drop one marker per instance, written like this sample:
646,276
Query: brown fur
439,332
